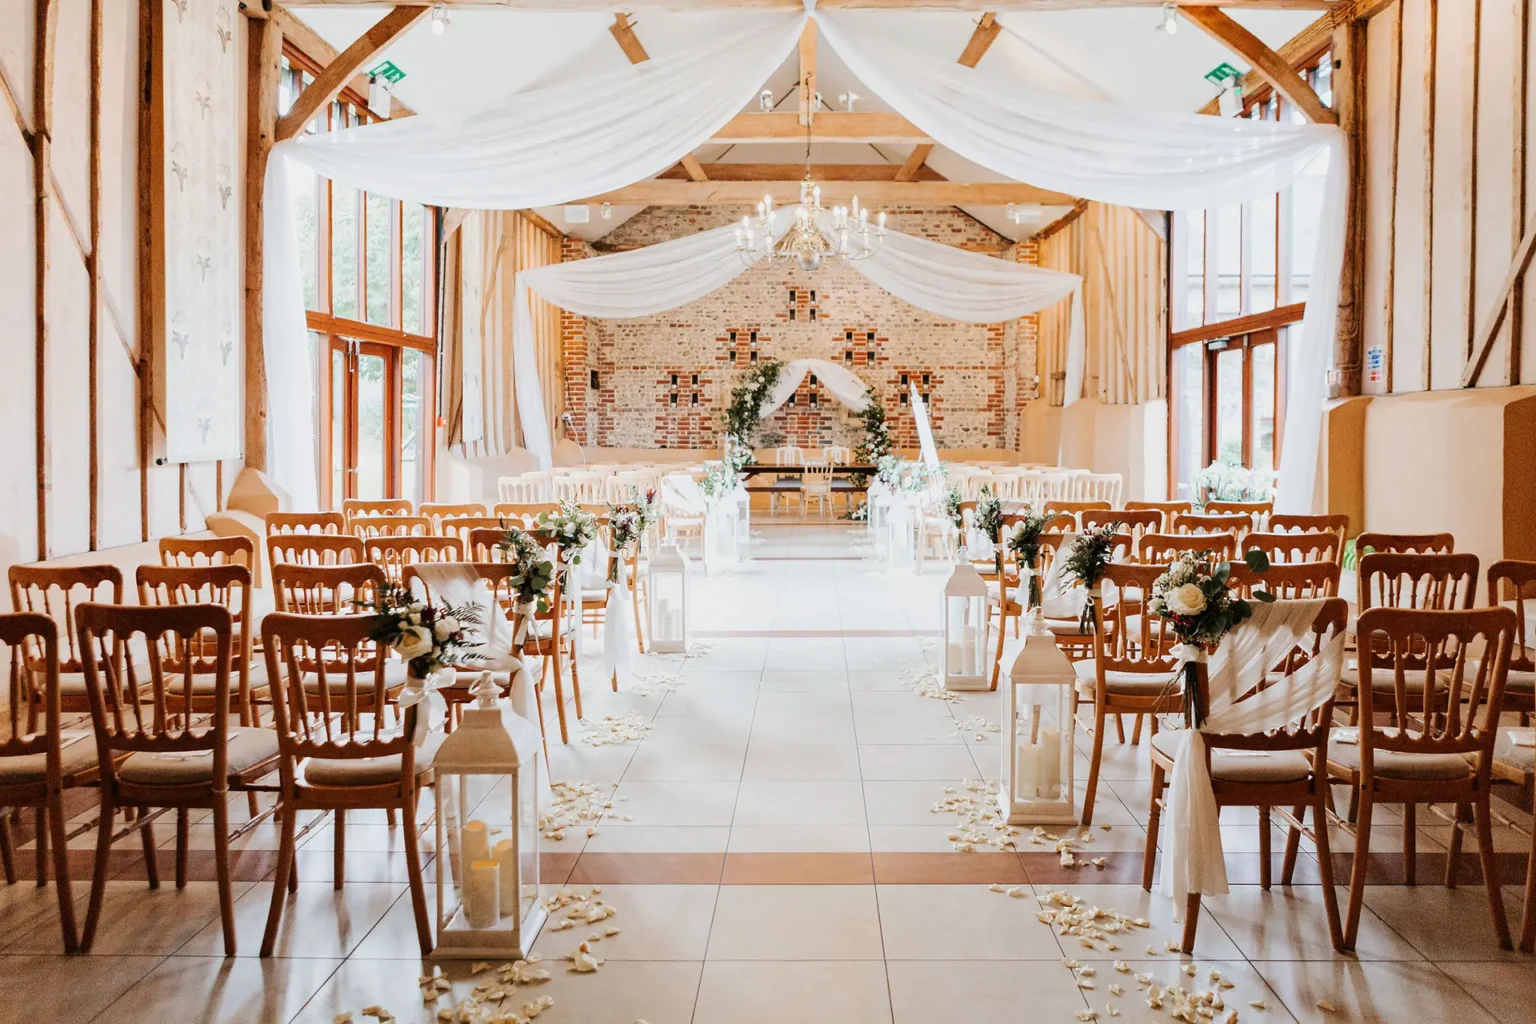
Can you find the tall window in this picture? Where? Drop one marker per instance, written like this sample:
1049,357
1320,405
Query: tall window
369,285
1240,276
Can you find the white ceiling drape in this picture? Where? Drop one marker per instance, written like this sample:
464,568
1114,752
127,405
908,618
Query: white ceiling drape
1131,157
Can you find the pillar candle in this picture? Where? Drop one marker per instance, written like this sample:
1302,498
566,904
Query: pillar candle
474,842
1050,762
968,652
952,660
1026,769
482,906
506,855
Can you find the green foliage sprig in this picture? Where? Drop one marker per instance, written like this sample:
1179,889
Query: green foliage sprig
744,414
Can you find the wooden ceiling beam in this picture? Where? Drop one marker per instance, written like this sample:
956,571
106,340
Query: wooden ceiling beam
672,192
909,5
624,33
787,172
908,171
808,71
1276,70
829,126
338,72
987,30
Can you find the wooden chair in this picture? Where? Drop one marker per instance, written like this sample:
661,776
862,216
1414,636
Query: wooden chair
1287,522
303,589
1517,580
228,586
1437,745
525,513
1287,581
306,522
1265,770
312,549
37,766
1258,512
56,591
148,754
816,482
1164,548
460,526
196,551
438,511
394,553
388,526
1136,522
1133,669
355,508
333,757
1310,546
1406,543
1169,509
1075,509
1235,523
1516,765
525,488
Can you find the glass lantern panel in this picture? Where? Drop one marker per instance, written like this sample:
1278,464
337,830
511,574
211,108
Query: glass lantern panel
964,632
525,794
667,606
1042,746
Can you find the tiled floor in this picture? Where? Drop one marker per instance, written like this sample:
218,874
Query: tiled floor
784,864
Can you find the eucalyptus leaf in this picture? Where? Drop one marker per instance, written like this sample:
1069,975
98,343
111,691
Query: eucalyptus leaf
1257,560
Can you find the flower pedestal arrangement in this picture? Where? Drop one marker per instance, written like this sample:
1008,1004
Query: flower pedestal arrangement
965,662
488,900
901,535
1036,784
666,592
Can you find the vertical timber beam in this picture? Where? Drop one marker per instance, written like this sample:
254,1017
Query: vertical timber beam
93,271
151,235
1349,101
46,22
264,63
808,71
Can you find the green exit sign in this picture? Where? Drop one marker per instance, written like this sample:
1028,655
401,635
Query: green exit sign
390,72
1222,73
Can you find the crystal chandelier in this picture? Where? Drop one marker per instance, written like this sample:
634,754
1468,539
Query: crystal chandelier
803,241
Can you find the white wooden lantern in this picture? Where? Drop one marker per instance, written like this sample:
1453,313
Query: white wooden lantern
1036,784
666,590
965,630
902,523
878,504
720,533
743,525
488,900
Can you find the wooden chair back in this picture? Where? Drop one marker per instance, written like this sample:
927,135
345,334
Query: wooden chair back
1076,508
1290,522
1061,522
1164,548
355,508
1252,509
1405,543
175,638
787,455
383,525
1514,581
321,705
193,551
228,586
1125,639
1312,546
1169,509
484,543
392,553
1445,705
1235,523
312,549
306,522
525,488
438,511
56,591
1136,522
1441,582
31,644
1288,581
325,589
460,526
525,512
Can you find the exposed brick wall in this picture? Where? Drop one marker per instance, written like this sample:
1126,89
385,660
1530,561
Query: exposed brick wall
978,374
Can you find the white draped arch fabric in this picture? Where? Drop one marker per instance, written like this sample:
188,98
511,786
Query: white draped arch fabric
846,386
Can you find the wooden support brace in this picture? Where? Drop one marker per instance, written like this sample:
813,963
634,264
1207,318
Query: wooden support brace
1275,69
337,73
1482,345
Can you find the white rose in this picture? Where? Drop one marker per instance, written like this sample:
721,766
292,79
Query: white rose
446,626
1186,600
413,642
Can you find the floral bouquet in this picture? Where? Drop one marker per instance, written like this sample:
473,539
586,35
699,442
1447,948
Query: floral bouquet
1024,540
574,529
1087,560
428,638
1193,598
534,573
952,508
720,480
627,523
989,521
650,509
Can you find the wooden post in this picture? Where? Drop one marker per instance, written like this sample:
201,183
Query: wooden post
93,271
1349,103
264,63
46,26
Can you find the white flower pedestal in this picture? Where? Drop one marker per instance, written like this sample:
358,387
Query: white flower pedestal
488,900
1036,784
743,525
720,543
901,529
666,592
879,510
964,664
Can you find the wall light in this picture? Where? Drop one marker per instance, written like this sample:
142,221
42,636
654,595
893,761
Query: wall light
1170,23
439,19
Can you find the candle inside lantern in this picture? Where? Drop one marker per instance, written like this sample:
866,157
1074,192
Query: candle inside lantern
1050,762
968,651
482,906
474,842
1026,767
505,855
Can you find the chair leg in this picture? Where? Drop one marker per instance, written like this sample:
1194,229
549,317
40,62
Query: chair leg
576,681
39,822
1120,727
1410,843
285,871
339,850
1136,731
221,869
1325,867
151,856
1093,765
565,736
1154,817
413,869
1453,851
7,854
1264,848
1358,869
99,872
997,659
1528,916
182,829
1191,922
1293,842
61,873
1491,869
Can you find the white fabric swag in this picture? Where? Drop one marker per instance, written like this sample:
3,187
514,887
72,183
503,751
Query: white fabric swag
949,282
846,386
1193,860
1129,156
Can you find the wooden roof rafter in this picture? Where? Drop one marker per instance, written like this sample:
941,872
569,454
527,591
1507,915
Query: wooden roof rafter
338,73
977,6
673,192
1275,69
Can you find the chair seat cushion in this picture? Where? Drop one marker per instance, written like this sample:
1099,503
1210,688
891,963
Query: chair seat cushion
1517,756
1130,684
78,754
1066,627
72,684
247,749
1383,680
368,771
1392,764
786,483
1242,766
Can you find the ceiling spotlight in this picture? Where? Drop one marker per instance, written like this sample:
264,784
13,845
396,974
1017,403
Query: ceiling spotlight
1170,22
607,212
439,19
848,99
765,101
